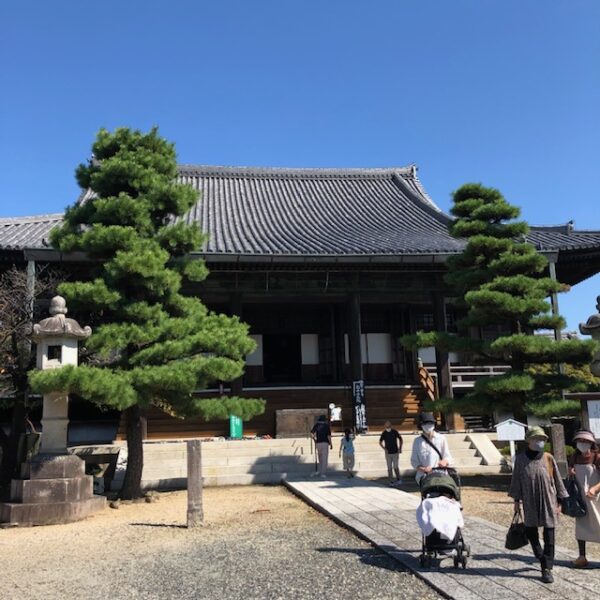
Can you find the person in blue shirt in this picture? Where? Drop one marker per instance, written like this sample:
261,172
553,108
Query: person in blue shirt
347,452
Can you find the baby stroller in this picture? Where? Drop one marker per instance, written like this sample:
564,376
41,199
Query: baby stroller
437,484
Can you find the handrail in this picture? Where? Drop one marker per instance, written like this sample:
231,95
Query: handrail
465,375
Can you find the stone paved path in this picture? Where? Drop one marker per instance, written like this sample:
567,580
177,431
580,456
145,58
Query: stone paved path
386,517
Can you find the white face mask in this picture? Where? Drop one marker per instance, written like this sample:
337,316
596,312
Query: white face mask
537,445
388,428
584,447
428,427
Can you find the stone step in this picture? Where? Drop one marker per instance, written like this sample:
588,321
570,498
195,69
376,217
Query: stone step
49,513
48,491
45,466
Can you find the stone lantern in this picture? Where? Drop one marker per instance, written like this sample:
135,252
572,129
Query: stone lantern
592,327
53,487
56,338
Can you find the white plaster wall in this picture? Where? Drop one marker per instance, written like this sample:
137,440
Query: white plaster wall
427,355
256,358
310,348
375,348
379,348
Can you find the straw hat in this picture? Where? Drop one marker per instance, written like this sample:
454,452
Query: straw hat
535,432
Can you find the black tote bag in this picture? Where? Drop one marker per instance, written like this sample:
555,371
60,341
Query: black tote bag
516,537
574,505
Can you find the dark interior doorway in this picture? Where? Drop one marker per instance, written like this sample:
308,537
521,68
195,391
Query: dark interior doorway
282,358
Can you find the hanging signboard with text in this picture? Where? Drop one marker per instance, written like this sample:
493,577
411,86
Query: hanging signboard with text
360,413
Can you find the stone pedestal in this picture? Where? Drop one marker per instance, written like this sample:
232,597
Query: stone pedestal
55,423
52,489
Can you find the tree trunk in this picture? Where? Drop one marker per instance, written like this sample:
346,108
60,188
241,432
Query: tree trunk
135,454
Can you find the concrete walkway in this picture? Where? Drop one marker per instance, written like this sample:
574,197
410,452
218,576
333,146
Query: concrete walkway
386,518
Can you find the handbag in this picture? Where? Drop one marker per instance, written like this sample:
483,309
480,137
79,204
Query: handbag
574,505
516,536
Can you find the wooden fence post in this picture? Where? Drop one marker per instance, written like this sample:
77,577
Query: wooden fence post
195,514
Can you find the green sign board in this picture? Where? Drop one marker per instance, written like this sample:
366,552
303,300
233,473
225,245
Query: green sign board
235,427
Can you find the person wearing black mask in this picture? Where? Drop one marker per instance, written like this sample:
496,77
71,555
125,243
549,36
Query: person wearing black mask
536,485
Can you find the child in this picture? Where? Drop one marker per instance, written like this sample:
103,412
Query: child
347,451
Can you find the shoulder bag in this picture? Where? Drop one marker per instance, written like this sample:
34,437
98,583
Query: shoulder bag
574,505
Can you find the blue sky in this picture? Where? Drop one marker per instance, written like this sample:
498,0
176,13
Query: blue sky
505,92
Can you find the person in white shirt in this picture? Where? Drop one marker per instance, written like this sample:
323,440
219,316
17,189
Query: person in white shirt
430,449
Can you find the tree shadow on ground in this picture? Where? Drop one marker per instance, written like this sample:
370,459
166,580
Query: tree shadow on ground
371,557
493,483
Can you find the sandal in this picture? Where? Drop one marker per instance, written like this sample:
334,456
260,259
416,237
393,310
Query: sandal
580,563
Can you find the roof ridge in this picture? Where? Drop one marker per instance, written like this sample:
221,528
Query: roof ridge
196,169
32,218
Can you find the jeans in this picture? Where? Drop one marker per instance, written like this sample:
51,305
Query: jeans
545,555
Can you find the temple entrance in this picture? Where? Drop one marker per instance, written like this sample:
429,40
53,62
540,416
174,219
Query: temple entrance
282,358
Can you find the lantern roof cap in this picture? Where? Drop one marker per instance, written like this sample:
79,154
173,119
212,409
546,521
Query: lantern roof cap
58,325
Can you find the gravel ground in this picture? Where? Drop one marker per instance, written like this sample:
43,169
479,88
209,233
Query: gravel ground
258,542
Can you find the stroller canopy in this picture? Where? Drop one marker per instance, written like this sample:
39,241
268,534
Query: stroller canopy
440,483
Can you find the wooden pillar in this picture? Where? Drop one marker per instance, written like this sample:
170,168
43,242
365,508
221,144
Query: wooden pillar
354,337
340,347
442,358
235,308
554,296
554,301
195,514
442,364
334,344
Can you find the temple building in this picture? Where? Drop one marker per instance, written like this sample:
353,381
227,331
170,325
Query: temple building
330,267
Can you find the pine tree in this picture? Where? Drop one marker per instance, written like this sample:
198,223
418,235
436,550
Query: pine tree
151,345
499,281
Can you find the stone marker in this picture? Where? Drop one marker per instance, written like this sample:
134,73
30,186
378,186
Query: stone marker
195,514
557,439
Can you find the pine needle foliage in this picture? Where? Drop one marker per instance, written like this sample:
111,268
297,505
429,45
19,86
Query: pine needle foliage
152,346
499,281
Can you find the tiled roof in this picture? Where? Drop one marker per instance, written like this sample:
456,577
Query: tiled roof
316,212
563,237
311,212
27,232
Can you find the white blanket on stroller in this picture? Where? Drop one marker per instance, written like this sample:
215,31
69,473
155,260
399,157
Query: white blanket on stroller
442,514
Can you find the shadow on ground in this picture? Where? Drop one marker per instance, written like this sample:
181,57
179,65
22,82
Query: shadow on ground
370,557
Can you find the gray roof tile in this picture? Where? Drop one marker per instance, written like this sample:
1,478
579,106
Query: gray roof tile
311,212
27,232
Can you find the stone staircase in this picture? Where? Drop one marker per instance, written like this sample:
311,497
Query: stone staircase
269,461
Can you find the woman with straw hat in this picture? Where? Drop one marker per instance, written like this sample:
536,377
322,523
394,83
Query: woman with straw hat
585,467
536,484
